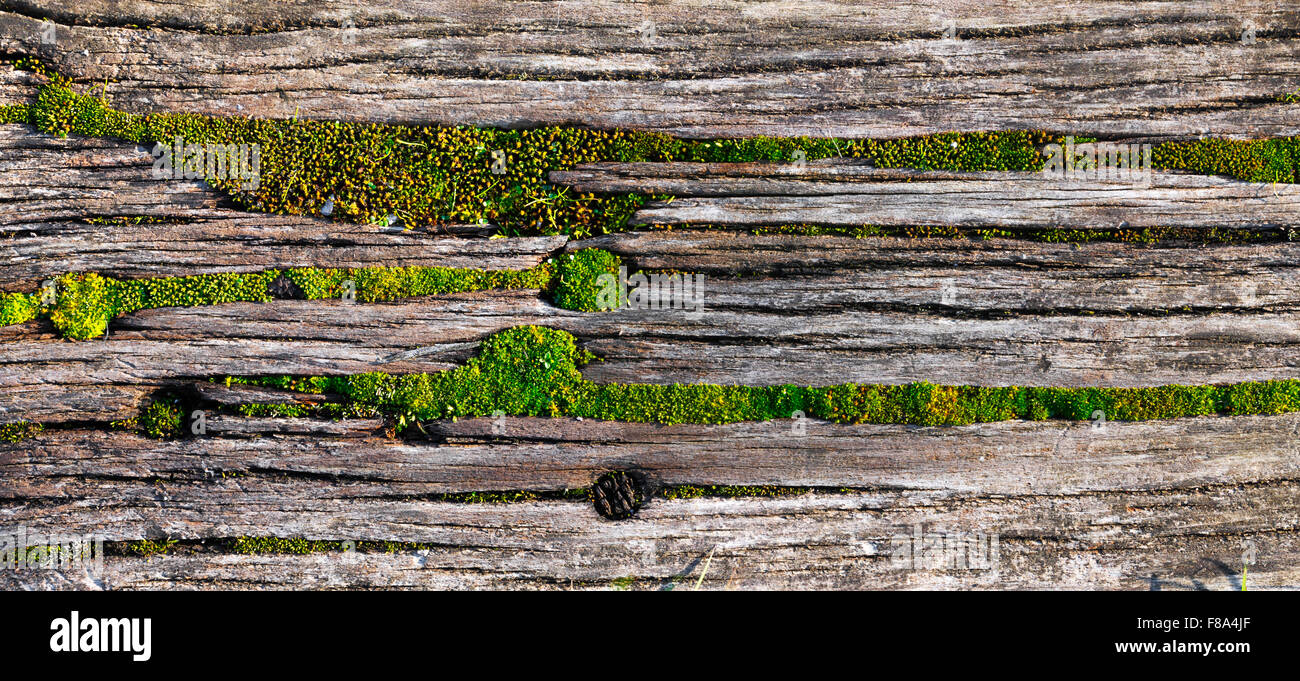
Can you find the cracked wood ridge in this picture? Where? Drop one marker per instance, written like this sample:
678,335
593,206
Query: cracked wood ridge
1121,505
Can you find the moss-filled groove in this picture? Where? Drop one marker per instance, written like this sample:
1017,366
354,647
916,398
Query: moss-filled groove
82,304
534,371
434,175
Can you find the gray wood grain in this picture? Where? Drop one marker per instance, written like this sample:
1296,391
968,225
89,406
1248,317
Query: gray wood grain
1157,505
113,469
710,68
841,194
1128,540
1165,505
641,561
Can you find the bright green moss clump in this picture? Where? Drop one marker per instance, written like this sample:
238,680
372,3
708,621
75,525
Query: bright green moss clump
15,113
533,371
85,303
1274,160
16,308
160,419
390,283
580,286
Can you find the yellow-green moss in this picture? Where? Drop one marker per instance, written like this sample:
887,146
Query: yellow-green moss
16,308
533,371
15,113
1272,160
161,418
86,302
579,285
19,431
146,548
389,283
433,175
729,491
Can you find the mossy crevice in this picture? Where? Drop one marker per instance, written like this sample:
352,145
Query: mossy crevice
162,418
425,176
86,302
534,371
19,431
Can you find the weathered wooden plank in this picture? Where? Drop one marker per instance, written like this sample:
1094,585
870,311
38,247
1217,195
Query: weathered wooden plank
237,244
806,273
776,194
809,178
736,344
234,395
1169,504
73,401
995,459
696,68
755,342
1129,540
16,87
1210,563
46,179
232,426
50,185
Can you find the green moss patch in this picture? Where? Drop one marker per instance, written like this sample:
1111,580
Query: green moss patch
424,176
534,371
160,419
432,175
17,432
389,283
584,281
15,113
85,303
16,308
1269,161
